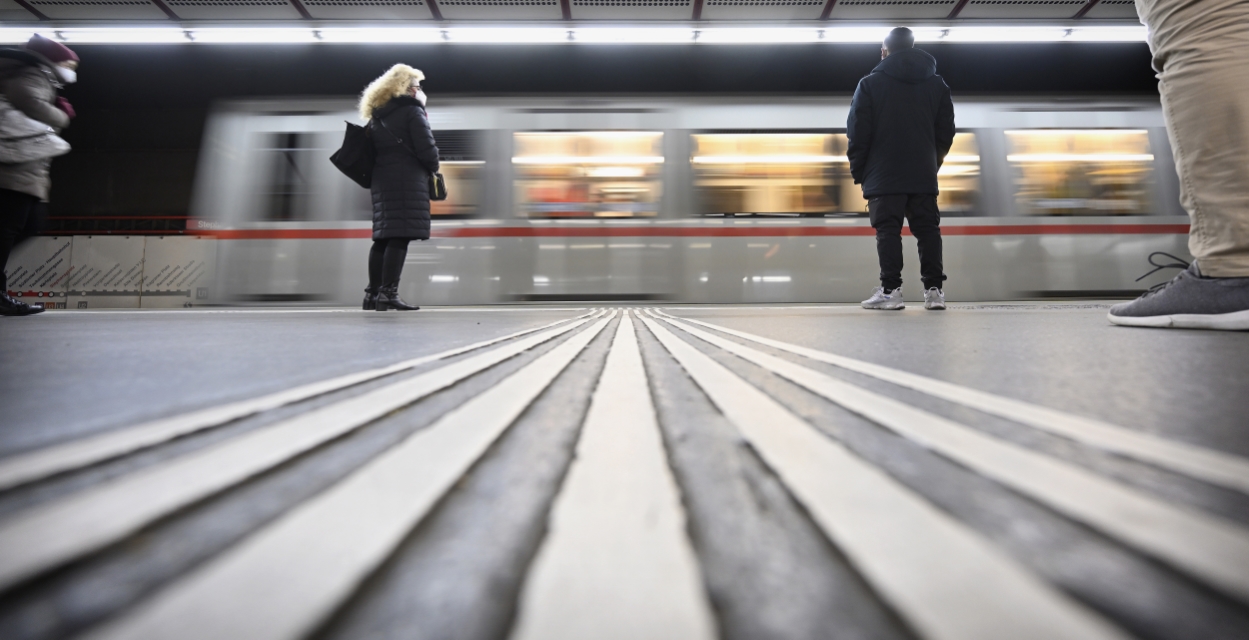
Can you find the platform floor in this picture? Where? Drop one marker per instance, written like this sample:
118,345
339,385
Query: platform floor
1014,470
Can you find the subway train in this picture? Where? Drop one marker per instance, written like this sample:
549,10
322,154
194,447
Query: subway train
692,200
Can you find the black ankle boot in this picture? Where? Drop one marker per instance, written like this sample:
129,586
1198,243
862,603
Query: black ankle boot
370,298
388,298
11,307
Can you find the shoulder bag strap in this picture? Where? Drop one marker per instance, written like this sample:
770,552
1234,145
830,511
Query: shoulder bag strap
397,138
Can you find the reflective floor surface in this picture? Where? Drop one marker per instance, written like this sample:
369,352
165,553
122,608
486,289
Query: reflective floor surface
1013,470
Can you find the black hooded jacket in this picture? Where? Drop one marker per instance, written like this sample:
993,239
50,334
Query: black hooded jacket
901,125
401,175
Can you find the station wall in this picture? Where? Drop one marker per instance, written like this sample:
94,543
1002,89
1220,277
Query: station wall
103,272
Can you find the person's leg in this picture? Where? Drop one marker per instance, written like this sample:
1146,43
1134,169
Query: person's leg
377,254
392,269
18,219
886,214
392,265
15,213
925,221
1198,50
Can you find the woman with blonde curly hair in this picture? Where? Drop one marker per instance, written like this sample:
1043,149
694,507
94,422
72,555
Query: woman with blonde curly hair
407,156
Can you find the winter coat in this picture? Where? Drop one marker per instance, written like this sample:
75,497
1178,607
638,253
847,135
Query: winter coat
29,82
901,126
401,177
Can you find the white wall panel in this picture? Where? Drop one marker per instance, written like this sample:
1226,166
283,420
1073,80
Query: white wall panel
892,9
177,271
108,272
38,270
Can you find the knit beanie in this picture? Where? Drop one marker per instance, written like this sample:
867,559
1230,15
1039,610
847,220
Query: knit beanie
54,51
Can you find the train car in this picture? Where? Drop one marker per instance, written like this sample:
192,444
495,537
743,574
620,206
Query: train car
699,200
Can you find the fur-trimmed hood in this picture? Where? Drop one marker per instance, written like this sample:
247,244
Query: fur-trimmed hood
392,84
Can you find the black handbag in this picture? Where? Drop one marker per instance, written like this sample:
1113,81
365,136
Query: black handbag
437,187
437,184
357,155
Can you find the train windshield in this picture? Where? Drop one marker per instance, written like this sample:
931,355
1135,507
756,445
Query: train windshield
588,174
806,174
1081,172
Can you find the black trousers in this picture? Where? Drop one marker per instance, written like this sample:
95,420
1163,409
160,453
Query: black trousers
920,211
21,216
386,261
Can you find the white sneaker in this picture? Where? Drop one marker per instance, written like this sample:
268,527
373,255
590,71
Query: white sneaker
934,299
885,301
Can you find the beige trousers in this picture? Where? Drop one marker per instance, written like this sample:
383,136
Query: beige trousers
1201,54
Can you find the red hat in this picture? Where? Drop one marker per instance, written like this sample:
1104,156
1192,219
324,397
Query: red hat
54,51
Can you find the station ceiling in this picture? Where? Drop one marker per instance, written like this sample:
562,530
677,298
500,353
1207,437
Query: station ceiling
504,11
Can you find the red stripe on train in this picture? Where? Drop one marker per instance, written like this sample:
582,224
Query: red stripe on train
707,232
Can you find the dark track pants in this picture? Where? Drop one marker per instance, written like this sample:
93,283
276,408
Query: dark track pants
920,211
21,216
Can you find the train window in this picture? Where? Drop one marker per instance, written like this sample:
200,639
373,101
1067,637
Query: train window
1081,172
461,163
958,180
805,174
769,173
287,193
601,174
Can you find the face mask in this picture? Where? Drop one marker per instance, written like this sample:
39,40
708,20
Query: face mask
67,76
420,97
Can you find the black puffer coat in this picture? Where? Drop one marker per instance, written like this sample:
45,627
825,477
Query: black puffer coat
401,177
901,126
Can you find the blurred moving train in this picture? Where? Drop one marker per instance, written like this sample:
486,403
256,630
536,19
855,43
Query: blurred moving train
699,200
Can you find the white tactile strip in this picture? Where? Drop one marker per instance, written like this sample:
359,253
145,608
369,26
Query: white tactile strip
283,580
941,577
1207,547
52,534
616,564
1203,464
42,463
616,560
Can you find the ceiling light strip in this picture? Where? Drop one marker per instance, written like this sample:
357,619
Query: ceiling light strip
551,34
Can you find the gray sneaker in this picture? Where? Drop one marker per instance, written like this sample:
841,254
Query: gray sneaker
934,299
885,301
1189,301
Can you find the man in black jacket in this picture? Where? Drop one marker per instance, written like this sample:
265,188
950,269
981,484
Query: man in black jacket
901,126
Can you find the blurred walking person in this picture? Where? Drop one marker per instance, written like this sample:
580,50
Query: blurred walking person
901,126
29,79
407,156
1199,53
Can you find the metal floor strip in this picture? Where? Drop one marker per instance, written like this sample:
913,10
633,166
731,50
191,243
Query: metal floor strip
945,580
1204,464
1211,549
616,563
287,578
42,463
52,534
